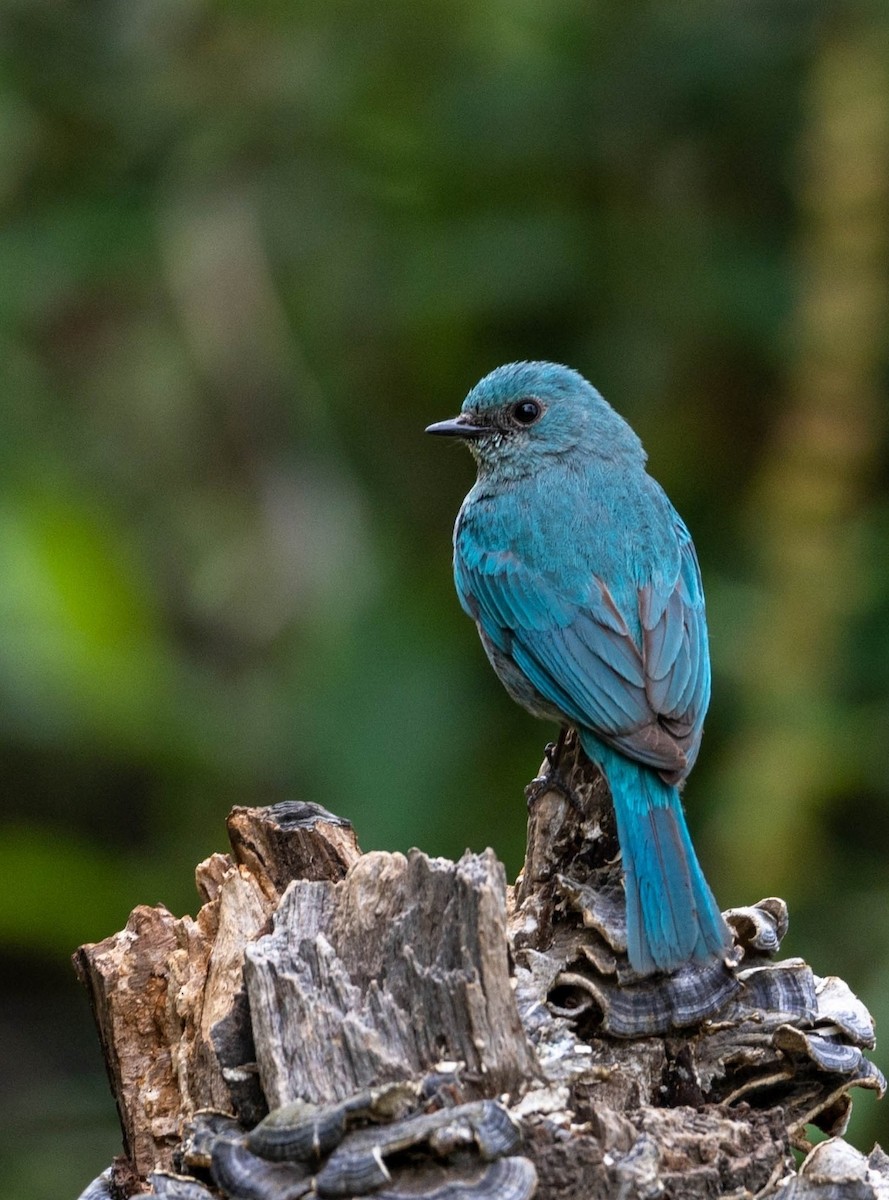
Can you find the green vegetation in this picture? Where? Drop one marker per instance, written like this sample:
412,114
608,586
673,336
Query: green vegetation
248,251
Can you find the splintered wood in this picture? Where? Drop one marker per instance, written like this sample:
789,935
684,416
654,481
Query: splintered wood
402,965
168,994
415,1026
379,967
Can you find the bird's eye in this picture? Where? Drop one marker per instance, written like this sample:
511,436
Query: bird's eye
526,412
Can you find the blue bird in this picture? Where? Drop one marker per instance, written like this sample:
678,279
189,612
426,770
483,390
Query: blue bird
584,585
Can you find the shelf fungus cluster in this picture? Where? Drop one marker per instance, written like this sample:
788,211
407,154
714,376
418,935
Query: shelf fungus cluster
377,1142
337,1024
754,1028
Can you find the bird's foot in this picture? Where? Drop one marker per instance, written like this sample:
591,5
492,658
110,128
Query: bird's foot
553,778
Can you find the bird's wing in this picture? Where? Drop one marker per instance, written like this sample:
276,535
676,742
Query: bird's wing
676,652
647,700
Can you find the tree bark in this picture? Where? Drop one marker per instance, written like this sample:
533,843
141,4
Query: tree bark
414,1026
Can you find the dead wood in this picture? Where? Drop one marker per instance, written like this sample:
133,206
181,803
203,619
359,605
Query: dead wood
416,1026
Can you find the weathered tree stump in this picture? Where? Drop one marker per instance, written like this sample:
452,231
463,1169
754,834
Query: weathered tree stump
340,1024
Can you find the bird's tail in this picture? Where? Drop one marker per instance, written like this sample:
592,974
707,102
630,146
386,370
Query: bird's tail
671,914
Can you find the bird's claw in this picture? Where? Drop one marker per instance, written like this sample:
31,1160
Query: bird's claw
552,781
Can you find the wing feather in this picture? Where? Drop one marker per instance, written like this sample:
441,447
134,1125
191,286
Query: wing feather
645,695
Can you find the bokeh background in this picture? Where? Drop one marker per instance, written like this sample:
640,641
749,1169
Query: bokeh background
248,250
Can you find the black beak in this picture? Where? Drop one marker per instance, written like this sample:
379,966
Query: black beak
460,427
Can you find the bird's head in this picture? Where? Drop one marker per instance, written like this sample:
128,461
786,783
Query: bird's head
524,411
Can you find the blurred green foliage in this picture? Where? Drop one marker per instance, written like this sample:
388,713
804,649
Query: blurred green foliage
248,251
